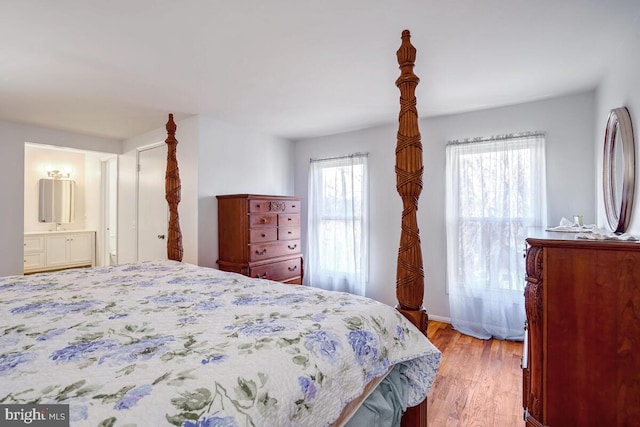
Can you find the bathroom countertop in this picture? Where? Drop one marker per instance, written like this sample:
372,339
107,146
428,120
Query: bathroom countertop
31,233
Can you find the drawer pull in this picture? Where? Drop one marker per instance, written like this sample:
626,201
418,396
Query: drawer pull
262,252
261,276
292,247
263,235
263,220
289,232
289,219
294,268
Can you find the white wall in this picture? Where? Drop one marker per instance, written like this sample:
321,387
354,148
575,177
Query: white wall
187,134
214,158
568,123
620,87
236,160
12,139
36,160
85,169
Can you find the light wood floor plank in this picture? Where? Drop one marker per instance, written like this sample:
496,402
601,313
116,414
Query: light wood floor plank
479,382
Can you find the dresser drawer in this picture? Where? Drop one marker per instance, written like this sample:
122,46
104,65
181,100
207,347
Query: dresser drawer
263,235
263,220
288,233
265,205
292,206
258,252
34,244
279,271
256,205
288,220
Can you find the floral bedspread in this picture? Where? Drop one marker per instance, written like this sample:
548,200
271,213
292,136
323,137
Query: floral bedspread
167,343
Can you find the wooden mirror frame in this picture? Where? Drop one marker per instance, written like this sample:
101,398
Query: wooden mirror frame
619,211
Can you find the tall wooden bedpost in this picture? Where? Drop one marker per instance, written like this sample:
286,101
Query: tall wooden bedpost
172,193
410,273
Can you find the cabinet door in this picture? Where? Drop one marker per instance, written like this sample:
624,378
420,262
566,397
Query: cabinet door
57,250
33,261
80,248
34,258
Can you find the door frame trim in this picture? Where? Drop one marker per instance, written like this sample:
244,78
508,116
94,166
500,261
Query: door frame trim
105,237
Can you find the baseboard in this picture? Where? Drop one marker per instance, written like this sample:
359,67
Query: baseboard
440,318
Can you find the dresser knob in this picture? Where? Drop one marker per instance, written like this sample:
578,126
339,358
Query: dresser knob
263,220
262,252
292,247
294,268
263,235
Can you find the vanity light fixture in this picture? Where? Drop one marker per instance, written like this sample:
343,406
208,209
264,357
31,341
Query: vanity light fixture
56,174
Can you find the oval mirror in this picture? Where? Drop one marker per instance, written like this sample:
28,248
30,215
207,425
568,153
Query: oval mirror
619,169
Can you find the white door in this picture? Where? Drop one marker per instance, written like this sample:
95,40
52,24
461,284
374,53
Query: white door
153,212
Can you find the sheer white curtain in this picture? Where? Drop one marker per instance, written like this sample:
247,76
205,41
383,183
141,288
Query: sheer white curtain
496,190
338,241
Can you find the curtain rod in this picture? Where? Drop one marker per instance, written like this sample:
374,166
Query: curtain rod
496,137
340,157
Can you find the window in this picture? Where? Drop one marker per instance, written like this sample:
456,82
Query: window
337,250
495,193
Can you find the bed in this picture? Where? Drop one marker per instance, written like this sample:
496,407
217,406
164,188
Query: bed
169,343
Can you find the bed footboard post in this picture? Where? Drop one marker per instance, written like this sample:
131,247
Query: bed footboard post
172,193
410,274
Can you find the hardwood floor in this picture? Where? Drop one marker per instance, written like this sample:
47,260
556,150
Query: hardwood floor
479,382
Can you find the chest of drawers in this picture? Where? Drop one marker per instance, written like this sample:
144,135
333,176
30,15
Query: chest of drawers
581,364
259,236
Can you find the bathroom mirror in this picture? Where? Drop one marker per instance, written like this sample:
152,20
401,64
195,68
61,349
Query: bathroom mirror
619,165
57,202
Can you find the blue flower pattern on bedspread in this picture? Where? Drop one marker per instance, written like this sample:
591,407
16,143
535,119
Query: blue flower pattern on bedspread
167,343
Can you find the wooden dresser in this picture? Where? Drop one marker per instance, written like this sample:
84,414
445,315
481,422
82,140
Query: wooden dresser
581,365
259,236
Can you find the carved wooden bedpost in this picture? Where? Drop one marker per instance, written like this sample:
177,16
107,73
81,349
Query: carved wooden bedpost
410,274
172,193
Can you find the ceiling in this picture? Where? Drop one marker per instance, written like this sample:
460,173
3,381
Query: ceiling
293,68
